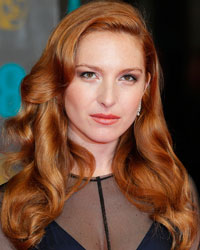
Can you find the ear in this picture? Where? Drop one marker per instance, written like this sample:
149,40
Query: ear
148,79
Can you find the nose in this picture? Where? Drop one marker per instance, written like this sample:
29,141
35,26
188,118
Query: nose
107,94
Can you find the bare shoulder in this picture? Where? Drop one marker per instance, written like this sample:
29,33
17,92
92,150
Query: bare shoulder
4,243
195,194
196,201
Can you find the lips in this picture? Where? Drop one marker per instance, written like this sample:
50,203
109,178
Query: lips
103,116
105,119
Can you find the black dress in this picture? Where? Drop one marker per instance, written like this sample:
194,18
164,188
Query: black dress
99,217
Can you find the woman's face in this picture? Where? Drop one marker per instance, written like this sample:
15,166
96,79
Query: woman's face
103,98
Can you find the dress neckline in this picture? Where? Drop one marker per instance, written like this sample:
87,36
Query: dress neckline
150,233
96,178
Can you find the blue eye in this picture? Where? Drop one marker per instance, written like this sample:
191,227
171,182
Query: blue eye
88,75
129,78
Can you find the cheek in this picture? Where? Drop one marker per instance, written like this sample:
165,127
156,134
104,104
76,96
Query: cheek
76,98
72,95
70,99
130,103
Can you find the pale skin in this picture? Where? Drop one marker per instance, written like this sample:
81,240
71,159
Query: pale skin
110,78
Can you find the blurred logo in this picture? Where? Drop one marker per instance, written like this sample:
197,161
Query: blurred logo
13,14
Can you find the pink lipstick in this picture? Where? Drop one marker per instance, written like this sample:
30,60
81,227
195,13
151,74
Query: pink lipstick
105,119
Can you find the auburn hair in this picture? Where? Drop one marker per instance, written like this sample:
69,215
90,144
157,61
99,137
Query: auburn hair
144,165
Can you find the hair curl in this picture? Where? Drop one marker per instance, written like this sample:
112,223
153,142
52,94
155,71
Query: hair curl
144,163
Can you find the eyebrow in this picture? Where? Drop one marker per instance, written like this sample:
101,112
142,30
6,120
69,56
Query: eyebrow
99,69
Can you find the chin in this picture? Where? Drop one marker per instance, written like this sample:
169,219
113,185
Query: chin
103,138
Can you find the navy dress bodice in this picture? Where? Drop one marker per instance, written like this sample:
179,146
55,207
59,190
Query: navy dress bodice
157,238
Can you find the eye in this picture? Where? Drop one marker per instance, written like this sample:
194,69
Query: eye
88,75
129,78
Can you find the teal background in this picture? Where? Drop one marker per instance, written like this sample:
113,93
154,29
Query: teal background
11,75
72,5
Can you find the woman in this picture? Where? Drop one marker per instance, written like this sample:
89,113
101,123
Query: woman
99,171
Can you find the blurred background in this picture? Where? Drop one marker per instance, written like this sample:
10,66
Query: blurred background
25,26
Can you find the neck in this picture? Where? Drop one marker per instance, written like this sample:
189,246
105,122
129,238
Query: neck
102,152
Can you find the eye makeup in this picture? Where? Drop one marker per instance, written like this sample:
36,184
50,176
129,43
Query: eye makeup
129,78
88,75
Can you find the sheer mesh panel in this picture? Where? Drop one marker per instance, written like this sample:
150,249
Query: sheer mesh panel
82,217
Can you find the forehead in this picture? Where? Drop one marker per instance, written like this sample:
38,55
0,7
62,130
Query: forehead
106,47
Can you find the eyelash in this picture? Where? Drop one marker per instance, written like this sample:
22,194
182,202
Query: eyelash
86,73
134,79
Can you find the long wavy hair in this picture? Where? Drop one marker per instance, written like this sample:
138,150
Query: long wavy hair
144,164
